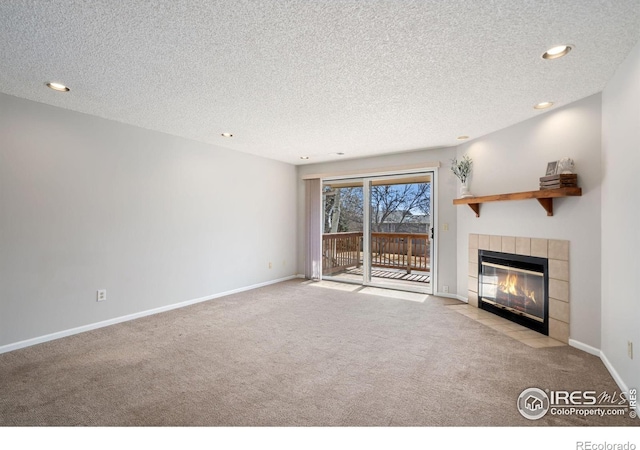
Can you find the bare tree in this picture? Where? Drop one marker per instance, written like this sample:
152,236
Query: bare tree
398,203
392,206
342,209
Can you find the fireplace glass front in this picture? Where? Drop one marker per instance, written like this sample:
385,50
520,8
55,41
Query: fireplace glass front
514,287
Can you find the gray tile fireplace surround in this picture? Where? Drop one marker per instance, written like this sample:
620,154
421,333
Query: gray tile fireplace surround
557,252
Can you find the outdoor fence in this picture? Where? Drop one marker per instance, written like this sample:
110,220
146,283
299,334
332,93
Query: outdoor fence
405,251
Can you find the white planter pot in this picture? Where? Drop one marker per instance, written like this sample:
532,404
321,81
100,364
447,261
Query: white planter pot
464,191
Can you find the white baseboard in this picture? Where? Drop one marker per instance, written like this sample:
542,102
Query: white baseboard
612,371
600,354
454,296
585,348
106,323
616,377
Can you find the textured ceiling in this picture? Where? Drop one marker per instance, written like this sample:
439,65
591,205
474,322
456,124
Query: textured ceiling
302,77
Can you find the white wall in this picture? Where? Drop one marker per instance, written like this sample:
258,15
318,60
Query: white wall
621,219
446,191
513,160
87,203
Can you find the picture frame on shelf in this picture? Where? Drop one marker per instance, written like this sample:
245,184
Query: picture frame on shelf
552,167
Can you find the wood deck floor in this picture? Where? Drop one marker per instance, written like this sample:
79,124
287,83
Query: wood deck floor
393,275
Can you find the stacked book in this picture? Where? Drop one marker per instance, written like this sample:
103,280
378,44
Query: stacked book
559,181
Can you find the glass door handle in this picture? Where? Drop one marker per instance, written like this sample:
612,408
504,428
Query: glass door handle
432,233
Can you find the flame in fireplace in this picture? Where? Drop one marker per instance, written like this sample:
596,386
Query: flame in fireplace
512,287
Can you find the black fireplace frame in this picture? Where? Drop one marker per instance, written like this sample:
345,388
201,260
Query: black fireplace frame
519,262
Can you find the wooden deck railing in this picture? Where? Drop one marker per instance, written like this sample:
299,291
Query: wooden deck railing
400,251
406,251
340,251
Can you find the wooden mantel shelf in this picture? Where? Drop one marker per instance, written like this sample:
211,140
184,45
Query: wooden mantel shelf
544,197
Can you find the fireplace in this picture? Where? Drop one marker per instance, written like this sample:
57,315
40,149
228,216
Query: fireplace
515,287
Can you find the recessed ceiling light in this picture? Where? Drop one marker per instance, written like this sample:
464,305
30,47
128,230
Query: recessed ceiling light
462,138
557,52
543,105
226,135
304,157
58,87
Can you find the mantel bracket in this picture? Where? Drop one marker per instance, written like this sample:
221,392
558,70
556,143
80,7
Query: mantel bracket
547,204
475,207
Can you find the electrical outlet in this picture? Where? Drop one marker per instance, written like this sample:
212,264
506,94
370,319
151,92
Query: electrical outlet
445,227
630,349
445,289
270,265
102,295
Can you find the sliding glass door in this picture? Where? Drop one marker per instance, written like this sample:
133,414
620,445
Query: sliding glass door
388,243
400,223
342,238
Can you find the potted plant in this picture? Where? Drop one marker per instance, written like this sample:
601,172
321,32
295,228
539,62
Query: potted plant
462,170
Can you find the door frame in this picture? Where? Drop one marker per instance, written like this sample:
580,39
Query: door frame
366,183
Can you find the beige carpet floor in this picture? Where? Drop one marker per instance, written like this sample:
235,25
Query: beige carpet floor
293,354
